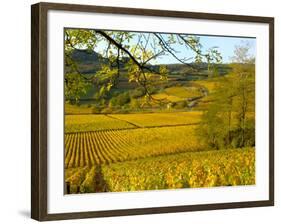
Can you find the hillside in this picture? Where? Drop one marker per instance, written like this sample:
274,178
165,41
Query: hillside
180,92
90,62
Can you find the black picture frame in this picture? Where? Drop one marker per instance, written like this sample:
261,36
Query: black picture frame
39,105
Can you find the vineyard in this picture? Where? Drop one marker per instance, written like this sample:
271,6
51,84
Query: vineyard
181,170
103,147
198,169
149,110
151,150
161,119
82,123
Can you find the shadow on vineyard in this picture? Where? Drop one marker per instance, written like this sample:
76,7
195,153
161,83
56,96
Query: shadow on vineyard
100,183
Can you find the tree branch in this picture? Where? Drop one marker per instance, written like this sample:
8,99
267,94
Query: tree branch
169,50
102,33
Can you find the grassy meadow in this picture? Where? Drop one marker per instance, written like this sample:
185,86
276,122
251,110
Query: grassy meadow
131,125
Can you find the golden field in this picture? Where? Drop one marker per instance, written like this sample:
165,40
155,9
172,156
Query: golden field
151,150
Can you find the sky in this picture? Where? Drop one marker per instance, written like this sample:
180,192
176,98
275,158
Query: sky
225,45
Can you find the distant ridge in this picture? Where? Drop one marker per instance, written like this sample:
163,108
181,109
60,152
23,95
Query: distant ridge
90,62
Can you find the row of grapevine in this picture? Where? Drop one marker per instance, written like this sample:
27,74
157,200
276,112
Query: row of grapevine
185,170
99,122
75,177
104,147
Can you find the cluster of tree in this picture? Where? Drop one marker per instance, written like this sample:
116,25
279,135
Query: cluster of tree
229,121
119,102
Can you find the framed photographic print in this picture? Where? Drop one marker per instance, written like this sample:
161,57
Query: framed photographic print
139,111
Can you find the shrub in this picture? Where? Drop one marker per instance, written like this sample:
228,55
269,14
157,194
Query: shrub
136,93
107,110
96,109
120,100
